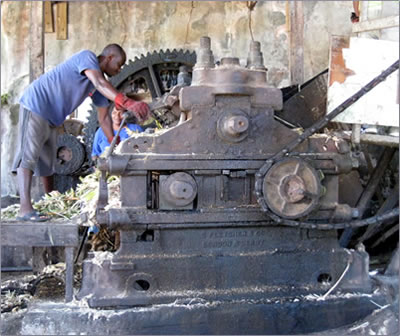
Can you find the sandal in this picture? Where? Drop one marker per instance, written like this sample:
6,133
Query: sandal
33,216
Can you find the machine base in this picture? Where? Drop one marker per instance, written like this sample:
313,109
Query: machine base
297,316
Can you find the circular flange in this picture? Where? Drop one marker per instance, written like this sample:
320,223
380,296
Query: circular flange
70,154
233,126
180,189
292,188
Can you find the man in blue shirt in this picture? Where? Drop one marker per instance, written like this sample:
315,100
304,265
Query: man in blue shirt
100,141
47,102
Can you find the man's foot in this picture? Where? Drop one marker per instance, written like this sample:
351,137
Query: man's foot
33,216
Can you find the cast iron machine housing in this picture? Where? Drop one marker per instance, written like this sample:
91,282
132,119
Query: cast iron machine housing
190,223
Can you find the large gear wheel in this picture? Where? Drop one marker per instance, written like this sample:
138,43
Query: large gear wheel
145,79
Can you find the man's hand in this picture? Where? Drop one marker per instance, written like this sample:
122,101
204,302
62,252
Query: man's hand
116,142
354,18
140,109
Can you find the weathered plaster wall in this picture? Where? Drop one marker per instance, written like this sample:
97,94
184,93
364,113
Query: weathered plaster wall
146,26
321,20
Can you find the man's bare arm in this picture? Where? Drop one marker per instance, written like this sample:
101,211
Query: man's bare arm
140,109
101,84
105,122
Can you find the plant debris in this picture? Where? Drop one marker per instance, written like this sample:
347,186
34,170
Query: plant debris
63,205
73,203
48,284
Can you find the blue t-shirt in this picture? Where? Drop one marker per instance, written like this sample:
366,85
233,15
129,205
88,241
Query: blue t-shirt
57,93
100,141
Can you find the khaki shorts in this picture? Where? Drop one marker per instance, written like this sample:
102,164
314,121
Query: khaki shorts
37,144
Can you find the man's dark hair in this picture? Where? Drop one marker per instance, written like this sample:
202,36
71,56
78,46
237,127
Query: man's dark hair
113,49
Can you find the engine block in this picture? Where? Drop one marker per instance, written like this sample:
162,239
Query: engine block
190,223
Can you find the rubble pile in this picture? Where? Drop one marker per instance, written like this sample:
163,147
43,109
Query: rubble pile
48,284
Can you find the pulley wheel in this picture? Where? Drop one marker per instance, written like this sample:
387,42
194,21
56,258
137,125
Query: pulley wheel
292,188
70,154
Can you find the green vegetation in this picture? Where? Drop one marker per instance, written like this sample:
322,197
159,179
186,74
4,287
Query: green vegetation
4,98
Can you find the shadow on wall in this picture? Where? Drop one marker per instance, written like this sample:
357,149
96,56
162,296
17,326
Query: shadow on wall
9,134
9,122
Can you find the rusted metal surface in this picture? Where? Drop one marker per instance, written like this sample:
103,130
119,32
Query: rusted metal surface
191,225
308,105
307,133
292,188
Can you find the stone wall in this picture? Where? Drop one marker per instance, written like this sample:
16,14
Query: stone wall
146,26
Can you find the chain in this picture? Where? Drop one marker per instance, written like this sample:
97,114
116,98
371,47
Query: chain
306,134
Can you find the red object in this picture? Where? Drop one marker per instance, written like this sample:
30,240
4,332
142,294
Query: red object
116,142
354,18
140,109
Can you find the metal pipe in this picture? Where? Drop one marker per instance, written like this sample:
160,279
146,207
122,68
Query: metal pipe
114,140
389,203
373,182
369,191
154,81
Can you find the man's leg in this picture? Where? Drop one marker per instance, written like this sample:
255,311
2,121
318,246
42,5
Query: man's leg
24,178
48,184
34,142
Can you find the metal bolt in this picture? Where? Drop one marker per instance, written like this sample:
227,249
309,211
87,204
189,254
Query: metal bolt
205,57
255,59
236,125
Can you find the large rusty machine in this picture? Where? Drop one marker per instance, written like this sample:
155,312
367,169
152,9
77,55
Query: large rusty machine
231,207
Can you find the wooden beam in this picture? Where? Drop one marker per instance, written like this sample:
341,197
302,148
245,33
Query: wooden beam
62,21
41,235
375,139
296,46
51,233
48,17
36,40
376,24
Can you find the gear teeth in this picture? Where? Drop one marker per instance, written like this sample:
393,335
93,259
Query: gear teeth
134,66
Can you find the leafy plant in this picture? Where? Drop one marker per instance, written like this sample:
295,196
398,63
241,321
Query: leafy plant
4,98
